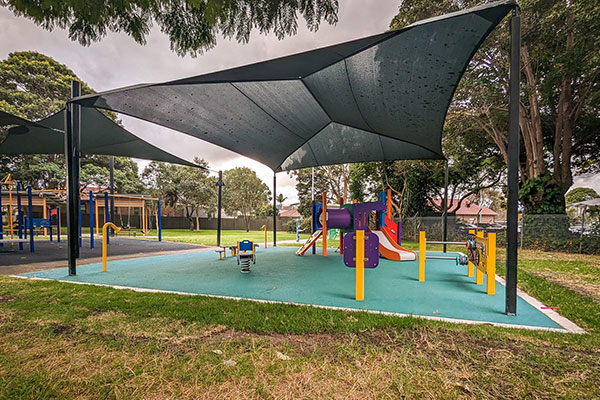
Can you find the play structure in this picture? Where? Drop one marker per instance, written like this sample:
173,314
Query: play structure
480,258
22,225
349,218
360,245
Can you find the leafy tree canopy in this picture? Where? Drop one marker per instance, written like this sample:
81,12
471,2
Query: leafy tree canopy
581,194
34,86
191,25
244,193
559,96
189,187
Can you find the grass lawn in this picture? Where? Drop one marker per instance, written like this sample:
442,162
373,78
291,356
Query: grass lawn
72,341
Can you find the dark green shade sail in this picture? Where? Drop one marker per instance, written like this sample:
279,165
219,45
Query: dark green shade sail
99,135
383,97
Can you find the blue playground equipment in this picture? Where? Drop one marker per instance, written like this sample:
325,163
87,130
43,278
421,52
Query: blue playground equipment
245,254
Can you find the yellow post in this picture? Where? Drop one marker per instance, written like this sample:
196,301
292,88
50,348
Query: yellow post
10,211
45,214
360,265
478,272
491,263
104,229
422,255
470,266
264,228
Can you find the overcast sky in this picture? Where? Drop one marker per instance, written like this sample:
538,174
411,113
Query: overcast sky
118,61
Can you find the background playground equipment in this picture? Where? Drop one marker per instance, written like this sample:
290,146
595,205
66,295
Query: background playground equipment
105,241
246,252
480,258
25,223
146,206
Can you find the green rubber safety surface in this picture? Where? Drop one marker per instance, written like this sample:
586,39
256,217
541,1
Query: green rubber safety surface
280,275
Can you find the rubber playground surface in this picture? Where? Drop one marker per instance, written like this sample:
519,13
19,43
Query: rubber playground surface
280,275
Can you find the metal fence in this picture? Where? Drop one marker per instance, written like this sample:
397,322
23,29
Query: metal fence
547,232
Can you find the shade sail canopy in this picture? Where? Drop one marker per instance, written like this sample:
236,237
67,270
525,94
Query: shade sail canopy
382,97
99,135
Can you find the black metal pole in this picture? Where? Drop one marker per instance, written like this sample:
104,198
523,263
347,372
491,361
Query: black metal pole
512,207
72,155
445,209
111,168
274,210
220,185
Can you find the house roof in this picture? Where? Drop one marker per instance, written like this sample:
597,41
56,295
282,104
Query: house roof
293,212
467,207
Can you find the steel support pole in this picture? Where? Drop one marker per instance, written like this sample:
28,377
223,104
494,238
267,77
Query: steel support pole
111,188
445,209
91,220
19,215
512,207
220,197
274,210
30,219
106,214
72,135
159,227
582,228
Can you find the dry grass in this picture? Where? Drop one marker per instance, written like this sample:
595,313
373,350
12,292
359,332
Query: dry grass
105,355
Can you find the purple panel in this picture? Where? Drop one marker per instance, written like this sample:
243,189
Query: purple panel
339,218
361,213
371,250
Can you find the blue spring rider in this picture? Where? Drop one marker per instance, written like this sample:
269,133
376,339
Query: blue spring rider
245,254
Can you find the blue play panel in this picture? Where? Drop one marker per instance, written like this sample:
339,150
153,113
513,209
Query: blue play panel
280,275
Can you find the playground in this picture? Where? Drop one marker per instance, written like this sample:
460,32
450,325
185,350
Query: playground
345,307
281,276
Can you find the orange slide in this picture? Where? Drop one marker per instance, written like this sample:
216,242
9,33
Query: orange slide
391,250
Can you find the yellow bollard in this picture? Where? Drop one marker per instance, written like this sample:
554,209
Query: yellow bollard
264,228
360,265
104,232
478,272
422,256
491,263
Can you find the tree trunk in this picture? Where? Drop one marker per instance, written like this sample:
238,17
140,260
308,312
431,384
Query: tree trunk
565,120
530,122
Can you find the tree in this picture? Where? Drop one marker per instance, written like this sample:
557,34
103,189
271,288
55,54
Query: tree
34,86
191,25
331,179
189,187
559,98
244,193
581,194
280,199
474,165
